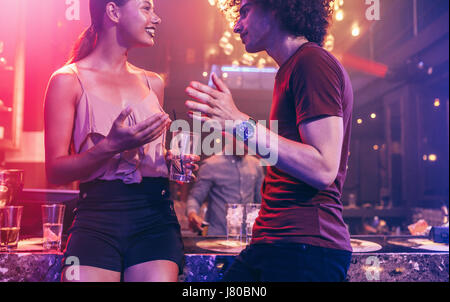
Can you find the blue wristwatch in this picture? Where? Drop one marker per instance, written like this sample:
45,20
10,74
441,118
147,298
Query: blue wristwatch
245,130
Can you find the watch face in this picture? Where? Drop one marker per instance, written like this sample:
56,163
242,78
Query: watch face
245,130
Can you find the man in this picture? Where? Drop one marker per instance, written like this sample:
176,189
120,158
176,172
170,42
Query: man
223,178
300,234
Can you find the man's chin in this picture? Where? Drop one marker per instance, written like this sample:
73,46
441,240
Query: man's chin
252,49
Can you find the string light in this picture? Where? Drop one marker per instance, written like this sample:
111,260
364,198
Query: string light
329,43
432,157
262,63
437,102
376,147
359,121
228,49
223,42
356,31
373,116
248,59
340,15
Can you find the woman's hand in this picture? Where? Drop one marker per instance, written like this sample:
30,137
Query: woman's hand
121,137
214,104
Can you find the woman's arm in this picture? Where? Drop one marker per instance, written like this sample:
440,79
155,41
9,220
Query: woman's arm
60,102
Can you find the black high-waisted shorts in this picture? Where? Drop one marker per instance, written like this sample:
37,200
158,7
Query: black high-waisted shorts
118,225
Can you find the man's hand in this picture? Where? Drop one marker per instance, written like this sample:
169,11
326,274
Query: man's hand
195,222
214,104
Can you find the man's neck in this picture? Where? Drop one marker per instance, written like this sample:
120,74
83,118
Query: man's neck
285,47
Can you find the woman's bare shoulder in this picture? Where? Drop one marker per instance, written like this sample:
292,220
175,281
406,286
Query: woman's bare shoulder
65,81
65,75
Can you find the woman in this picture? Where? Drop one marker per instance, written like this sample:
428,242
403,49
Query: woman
109,114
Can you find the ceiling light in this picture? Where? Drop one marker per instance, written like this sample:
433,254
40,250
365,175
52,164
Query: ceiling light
356,31
340,15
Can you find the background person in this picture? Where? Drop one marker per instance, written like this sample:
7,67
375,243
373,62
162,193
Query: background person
223,178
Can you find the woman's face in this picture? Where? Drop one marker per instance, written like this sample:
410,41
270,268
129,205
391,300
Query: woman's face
137,23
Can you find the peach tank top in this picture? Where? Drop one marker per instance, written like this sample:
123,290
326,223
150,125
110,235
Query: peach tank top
94,118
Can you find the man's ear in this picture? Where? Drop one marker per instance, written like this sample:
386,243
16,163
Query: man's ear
113,12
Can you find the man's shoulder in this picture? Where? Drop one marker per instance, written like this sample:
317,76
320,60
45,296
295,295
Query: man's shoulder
252,160
312,55
215,159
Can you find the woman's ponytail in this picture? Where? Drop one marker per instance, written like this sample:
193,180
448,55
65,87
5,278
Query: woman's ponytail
87,41
84,45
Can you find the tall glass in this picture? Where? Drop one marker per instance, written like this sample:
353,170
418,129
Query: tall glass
10,219
251,213
235,215
183,145
52,225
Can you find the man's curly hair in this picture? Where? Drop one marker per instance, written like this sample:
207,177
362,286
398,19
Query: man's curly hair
308,18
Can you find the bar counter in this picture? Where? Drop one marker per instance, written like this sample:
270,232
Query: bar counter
206,259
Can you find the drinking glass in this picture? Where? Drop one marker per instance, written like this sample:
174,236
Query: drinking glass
183,145
235,215
52,225
10,218
251,213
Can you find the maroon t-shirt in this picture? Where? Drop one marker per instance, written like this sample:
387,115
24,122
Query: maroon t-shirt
312,84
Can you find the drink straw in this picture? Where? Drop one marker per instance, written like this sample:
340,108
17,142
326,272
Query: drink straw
181,157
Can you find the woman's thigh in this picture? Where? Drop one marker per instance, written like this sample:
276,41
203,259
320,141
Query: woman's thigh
84,273
152,271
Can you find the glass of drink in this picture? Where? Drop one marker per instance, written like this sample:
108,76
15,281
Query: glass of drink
251,212
235,215
183,145
10,218
52,225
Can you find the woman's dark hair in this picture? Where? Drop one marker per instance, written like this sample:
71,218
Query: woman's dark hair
88,39
307,18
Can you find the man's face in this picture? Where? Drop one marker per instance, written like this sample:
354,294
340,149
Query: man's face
254,26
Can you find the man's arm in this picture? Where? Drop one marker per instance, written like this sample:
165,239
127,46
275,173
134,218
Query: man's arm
198,194
316,161
258,184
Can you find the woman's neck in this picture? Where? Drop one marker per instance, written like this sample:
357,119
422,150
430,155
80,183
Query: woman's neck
108,54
